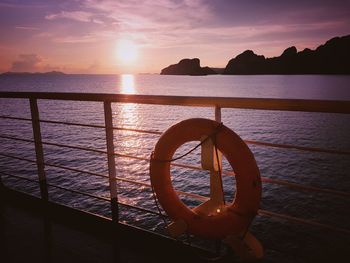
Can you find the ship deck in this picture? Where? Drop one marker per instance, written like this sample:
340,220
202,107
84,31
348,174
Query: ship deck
35,231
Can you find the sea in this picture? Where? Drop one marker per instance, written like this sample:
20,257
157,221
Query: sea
284,241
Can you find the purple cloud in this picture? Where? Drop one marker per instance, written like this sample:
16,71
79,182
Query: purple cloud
26,62
30,63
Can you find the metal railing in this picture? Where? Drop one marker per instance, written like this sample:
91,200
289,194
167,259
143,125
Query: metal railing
340,107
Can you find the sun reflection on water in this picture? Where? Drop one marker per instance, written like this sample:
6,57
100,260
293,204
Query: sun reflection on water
128,116
128,84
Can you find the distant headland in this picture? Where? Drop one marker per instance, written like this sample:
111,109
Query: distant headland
331,58
187,67
50,73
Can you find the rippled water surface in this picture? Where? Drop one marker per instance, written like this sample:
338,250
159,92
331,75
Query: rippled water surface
284,241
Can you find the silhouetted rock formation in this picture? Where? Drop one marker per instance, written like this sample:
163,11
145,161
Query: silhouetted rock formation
331,58
248,61
187,67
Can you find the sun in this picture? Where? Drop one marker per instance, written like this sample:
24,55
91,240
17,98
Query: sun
127,51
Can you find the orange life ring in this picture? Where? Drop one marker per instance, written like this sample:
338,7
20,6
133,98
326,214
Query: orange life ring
236,219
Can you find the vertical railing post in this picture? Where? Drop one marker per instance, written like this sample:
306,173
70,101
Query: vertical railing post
1,183
217,113
111,160
218,119
38,149
216,187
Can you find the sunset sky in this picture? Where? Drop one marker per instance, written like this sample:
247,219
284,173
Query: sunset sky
129,36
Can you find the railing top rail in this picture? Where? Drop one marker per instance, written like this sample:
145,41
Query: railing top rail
329,106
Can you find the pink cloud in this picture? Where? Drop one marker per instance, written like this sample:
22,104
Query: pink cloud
97,36
27,28
81,16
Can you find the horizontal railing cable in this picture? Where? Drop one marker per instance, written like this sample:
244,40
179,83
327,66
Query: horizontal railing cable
75,170
17,157
74,147
305,187
301,221
131,157
15,138
73,124
14,118
141,208
102,126
54,144
84,125
295,147
19,177
228,173
310,149
78,192
138,130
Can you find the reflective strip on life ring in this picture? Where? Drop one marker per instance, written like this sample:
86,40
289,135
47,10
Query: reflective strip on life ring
236,219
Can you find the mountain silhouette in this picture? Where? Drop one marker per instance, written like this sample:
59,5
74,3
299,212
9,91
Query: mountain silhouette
50,73
331,58
187,67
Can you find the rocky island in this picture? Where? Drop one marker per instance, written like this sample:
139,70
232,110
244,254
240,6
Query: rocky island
187,67
50,73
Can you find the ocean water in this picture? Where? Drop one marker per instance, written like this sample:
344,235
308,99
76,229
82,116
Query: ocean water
283,241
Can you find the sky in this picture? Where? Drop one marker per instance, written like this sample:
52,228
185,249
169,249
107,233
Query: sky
129,36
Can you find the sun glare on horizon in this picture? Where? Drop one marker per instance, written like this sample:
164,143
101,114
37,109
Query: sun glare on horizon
127,84
127,51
